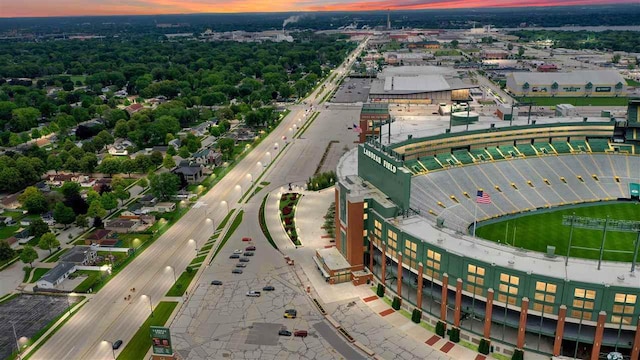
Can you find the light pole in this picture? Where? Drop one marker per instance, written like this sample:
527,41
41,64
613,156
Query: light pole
113,351
69,301
150,304
15,336
239,188
226,203
213,225
175,280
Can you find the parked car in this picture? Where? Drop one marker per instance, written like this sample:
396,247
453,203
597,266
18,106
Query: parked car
246,239
290,313
234,256
241,265
236,271
237,251
253,293
301,333
284,332
117,344
248,253
216,282
268,288
250,248
244,259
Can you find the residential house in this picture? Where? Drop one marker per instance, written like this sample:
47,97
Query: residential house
135,209
58,180
189,173
148,200
144,221
100,237
56,275
48,218
100,183
122,226
164,207
10,202
175,143
86,181
12,241
134,108
7,221
25,221
207,157
43,187
23,236
117,150
121,94
80,255
202,129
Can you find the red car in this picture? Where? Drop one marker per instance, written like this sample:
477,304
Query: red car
246,239
300,333
250,248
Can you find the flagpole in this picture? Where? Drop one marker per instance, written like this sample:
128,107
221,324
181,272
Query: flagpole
475,218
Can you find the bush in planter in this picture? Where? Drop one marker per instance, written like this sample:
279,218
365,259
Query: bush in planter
440,326
288,221
483,347
416,316
396,303
518,355
454,335
380,291
286,210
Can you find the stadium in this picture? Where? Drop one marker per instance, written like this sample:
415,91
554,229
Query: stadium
557,203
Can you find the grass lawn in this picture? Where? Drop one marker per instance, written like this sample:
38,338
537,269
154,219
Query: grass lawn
8,231
37,274
27,272
263,223
93,278
234,225
182,283
536,231
127,239
576,101
632,82
141,342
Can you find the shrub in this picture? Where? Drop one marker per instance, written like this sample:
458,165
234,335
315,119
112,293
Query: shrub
518,355
416,316
454,335
189,269
380,291
288,220
286,210
440,326
483,347
396,303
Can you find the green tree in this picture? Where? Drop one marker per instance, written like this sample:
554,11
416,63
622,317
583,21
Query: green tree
6,252
171,151
35,134
520,51
108,201
48,241
33,200
28,255
226,147
38,227
54,163
510,46
96,209
63,214
70,189
455,43
165,185
156,158
183,152
144,183
168,162
82,221
24,119
121,193
615,58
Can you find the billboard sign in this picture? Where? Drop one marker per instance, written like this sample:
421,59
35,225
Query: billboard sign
161,340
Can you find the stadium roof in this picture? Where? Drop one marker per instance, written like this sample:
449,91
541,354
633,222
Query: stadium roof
610,77
416,84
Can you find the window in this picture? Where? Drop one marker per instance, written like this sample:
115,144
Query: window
508,288
377,233
410,256
365,216
583,303
545,297
623,308
392,244
433,264
475,279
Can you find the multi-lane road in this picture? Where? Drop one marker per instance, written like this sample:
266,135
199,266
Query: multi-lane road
107,316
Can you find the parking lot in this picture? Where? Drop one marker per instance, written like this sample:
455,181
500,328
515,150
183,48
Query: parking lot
29,314
352,90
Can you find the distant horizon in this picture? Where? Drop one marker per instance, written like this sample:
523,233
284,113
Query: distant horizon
91,8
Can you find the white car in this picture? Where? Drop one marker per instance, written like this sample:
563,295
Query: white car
238,251
253,293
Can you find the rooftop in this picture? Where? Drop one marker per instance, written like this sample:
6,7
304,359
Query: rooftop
76,254
333,258
611,77
57,272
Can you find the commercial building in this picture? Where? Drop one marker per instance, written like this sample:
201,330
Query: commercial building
425,89
403,211
594,83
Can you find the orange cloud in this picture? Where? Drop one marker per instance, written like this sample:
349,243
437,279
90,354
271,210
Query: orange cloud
43,8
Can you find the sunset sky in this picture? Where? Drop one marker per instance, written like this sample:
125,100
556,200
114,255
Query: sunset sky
38,8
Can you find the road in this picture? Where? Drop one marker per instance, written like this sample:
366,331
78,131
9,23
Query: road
107,316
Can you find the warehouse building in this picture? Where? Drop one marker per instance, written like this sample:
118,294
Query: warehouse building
425,89
601,83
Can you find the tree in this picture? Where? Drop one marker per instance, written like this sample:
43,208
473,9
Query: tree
183,152
455,43
172,151
615,58
520,51
82,221
63,214
165,185
38,227
48,241
108,201
6,252
35,134
70,188
226,147
121,193
28,255
96,209
168,162
33,200
24,119
54,163
144,183
510,46
156,158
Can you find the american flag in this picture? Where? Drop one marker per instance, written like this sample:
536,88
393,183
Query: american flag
357,128
483,198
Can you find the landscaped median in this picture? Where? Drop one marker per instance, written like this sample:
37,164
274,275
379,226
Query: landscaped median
287,206
140,343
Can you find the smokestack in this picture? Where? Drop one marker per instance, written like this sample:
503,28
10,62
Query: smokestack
389,19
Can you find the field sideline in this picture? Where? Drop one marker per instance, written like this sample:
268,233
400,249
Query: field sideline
536,231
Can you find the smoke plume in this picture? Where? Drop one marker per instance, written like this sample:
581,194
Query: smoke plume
292,19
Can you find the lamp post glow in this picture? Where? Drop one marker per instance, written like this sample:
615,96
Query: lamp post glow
269,155
150,304
113,351
69,301
213,226
175,280
225,203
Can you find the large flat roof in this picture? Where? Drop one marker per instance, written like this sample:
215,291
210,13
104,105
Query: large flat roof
416,84
333,259
569,78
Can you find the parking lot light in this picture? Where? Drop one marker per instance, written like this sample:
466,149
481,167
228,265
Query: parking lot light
113,351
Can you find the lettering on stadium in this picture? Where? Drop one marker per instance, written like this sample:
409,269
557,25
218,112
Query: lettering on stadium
375,157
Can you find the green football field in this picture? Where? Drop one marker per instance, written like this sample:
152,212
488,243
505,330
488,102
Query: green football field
536,231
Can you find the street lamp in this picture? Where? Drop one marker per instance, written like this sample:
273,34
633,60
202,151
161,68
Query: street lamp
269,154
175,280
239,188
15,336
225,203
150,304
113,351
69,301
213,226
